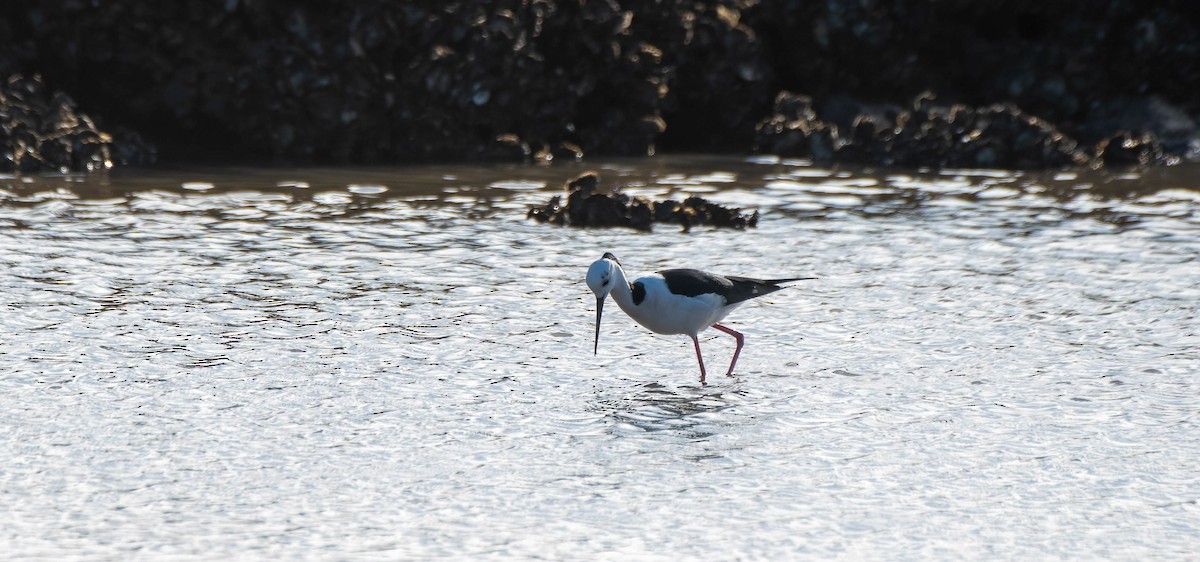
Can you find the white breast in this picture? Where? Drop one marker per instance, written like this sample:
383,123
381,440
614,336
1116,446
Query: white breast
667,313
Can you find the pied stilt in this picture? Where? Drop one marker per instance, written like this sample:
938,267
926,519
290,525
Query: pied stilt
677,301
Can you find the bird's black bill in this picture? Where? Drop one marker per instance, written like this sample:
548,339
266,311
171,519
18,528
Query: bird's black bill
599,310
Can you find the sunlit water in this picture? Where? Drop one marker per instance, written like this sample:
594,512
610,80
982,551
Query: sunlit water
397,364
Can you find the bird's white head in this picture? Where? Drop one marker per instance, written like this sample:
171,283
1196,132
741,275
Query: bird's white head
602,276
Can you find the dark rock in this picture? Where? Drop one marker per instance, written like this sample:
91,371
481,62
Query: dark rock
129,148
794,130
1090,70
586,182
696,210
587,207
42,131
510,147
377,81
552,212
1170,124
1125,150
718,77
997,136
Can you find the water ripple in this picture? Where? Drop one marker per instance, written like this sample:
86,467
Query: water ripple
396,364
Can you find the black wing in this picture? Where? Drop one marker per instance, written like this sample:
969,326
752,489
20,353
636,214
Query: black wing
693,282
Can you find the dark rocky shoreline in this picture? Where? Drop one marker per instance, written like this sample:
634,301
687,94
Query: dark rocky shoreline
982,84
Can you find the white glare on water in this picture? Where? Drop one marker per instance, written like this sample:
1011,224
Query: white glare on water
990,366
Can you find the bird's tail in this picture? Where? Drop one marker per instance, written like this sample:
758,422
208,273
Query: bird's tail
788,280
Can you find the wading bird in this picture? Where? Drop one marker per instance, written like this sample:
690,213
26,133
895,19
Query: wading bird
677,301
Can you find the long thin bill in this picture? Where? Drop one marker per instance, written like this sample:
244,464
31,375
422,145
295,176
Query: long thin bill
599,310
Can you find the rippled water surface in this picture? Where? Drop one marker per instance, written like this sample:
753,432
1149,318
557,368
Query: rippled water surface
397,364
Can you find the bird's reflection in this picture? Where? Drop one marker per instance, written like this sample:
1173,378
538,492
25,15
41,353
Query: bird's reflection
686,411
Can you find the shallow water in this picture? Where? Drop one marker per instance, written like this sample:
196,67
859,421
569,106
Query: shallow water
396,364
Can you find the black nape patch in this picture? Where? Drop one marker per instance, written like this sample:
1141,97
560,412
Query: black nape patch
610,256
639,292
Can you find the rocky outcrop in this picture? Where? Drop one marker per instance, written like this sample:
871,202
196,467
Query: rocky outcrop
929,135
379,82
588,206
44,131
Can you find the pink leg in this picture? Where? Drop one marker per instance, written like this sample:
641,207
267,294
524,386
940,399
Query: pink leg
740,341
699,358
